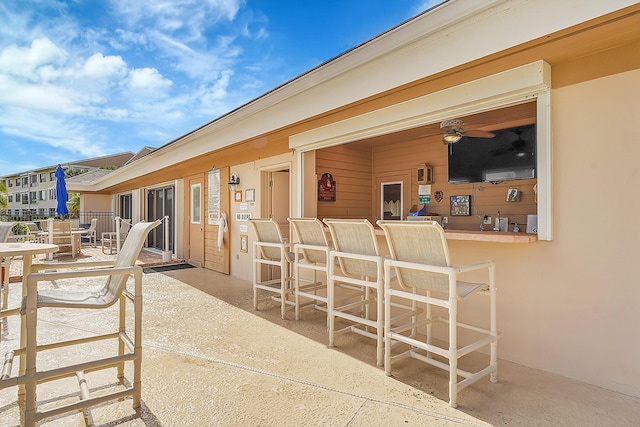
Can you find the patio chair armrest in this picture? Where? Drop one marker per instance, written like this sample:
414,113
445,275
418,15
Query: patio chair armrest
273,244
476,266
371,258
419,266
34,278
71,265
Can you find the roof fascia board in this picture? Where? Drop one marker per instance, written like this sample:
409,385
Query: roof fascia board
429,44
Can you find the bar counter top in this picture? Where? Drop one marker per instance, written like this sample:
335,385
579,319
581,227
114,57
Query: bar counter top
490,236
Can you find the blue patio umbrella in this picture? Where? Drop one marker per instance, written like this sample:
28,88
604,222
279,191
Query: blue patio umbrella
61,192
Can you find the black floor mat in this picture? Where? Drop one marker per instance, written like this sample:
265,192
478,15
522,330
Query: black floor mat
163,268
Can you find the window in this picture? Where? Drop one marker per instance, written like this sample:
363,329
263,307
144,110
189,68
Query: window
43,177
10,183
43,195
25,198
126,206
34,179
25,182
17,182
196,202
10,198
391,198
52,176
33,197
52,194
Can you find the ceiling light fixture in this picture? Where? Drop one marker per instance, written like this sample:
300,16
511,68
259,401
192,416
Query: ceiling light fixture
451,137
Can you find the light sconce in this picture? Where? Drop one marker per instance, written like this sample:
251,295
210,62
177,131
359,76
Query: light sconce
234,182
451,137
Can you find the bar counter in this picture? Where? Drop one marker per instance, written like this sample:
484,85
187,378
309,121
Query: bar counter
490,236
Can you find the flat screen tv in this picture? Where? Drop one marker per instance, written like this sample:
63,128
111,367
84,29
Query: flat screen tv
510,155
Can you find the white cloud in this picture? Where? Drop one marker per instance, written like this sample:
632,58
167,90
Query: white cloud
100,67
24,61
54,131
189,16
147,79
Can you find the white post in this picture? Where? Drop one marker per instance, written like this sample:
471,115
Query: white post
166,254
117,219
50,231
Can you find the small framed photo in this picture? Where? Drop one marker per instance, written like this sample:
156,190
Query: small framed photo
250,195
460,205
238,195
244,243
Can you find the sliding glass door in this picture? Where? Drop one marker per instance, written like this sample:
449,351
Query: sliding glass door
160,203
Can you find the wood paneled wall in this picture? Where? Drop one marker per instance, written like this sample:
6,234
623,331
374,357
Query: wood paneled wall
356,166
350,166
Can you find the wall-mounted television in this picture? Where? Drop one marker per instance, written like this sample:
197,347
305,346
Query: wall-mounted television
510,155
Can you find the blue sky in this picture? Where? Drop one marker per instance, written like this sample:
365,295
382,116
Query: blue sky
87,78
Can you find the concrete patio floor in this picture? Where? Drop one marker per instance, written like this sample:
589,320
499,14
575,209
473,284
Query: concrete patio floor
210,359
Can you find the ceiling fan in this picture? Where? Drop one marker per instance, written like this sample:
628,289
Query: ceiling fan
517,146
453,131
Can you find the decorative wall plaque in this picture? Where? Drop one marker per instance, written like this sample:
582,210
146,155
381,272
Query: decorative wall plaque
326,188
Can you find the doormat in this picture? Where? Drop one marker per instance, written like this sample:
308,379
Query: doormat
163,268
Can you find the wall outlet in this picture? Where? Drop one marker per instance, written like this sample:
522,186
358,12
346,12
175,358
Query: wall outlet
445,220
487,220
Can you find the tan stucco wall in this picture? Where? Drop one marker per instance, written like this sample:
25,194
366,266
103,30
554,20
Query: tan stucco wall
250,177
571,306
95,203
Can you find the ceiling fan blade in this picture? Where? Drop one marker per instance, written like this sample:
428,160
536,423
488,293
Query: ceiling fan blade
479,134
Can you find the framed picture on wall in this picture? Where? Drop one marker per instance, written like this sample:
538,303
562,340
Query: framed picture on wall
250,195
244,243
238,195
460,205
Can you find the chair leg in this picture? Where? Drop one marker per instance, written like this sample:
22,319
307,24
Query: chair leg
296,285
283,286
330,301
493,377
380,317
453,352
387,323
6,265
30,382
122,329
256,265
137,361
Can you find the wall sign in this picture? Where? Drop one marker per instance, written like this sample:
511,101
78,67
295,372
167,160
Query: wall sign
424,194
326,188
213,197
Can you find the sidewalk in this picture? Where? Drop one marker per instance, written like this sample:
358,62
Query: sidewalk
211,360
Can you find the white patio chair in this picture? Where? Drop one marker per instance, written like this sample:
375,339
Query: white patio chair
61,235
356,250
90,233
5,231
420,260
129,348
271,250
311,253
110,238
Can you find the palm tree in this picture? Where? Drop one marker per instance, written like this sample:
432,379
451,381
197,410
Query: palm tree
3,196
74,205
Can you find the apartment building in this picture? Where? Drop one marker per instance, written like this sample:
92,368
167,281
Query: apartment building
33,192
